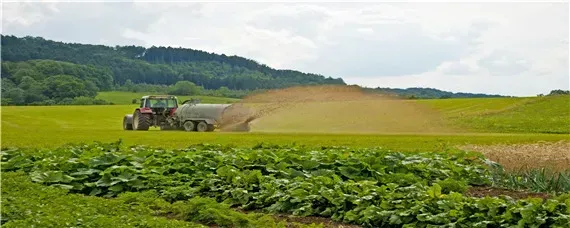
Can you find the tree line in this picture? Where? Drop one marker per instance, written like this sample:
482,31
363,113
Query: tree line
161,65
429,93
49,82
184,88
45,82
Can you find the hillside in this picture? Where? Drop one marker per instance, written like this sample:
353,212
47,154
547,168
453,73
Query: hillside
549,114
160,65
488,115
348,110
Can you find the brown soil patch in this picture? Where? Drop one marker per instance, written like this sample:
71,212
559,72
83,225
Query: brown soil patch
490,191
331,109
554,156
292,220
326,222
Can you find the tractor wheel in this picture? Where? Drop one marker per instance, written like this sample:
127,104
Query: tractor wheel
210,127
126,124
202,126
141,122
189,125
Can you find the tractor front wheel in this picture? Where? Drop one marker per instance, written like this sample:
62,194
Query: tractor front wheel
141,122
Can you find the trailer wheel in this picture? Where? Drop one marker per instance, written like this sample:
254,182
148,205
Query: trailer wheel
202,126
141,121
189,126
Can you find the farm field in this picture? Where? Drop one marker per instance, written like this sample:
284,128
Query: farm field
53,126
521,115
199,185
490,115
476,121
356,167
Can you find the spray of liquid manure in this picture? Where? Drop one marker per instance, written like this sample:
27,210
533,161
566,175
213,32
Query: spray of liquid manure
330,109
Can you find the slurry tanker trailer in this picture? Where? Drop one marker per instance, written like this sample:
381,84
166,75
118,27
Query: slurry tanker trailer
163,111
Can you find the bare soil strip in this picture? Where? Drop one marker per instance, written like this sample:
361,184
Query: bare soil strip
292,220
327,222
481,192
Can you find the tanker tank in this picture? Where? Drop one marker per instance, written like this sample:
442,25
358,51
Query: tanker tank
212,113
207,117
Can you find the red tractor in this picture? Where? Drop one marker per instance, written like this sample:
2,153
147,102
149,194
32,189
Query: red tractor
154,111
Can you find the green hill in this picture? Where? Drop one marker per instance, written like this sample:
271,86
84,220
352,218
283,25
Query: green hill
160,65
550,114
46,72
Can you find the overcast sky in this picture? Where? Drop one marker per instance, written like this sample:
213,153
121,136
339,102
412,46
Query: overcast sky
518,49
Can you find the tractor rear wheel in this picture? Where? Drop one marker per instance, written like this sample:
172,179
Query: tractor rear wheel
189,126
202,126
141,122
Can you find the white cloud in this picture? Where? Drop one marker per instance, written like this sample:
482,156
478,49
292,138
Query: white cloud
504,48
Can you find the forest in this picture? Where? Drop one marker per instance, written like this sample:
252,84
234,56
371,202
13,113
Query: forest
37,61
160,65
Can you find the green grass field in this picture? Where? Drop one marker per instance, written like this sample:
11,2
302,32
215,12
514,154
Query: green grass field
506,120
124,98
513,115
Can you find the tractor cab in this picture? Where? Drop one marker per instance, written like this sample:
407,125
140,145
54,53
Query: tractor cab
158,104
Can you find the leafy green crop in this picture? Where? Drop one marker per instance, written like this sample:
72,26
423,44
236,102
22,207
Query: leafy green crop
370,187
27,204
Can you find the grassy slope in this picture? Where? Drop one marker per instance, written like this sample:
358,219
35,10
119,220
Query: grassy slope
547,115
483,115
509,115
457,107
127,97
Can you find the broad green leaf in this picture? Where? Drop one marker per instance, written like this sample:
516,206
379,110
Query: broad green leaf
434,191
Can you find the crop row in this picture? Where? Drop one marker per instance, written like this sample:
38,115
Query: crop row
27,204
369,187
